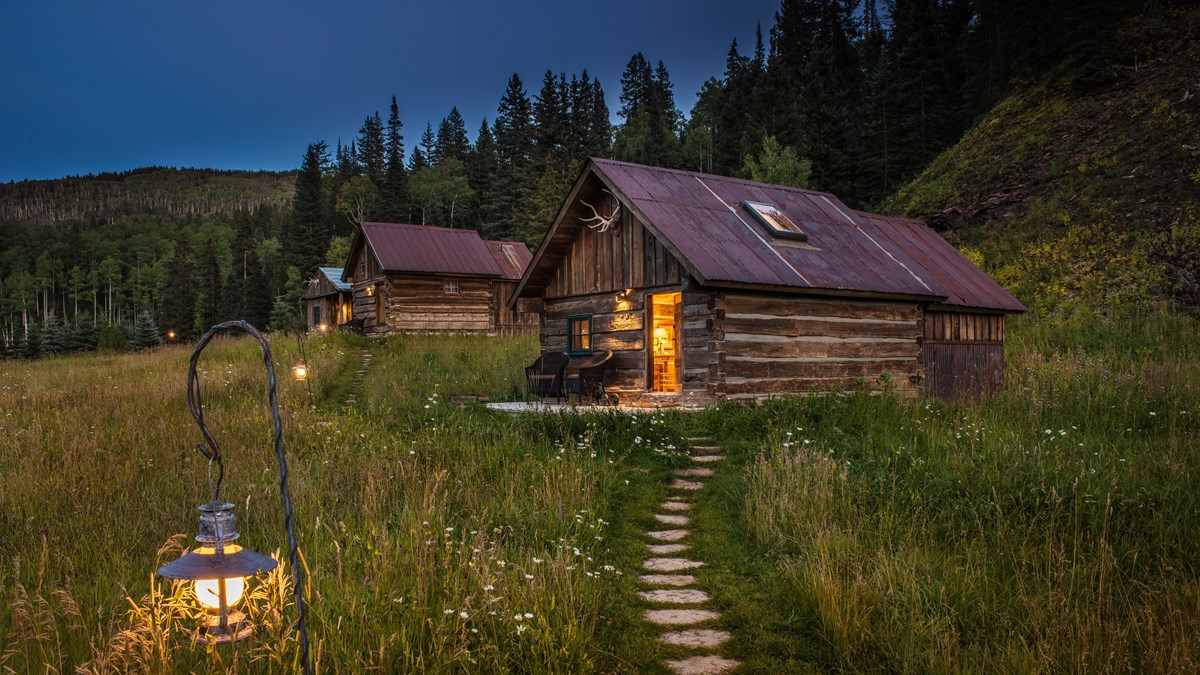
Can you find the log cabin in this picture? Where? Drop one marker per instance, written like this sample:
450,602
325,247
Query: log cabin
421,279
709,288
327,301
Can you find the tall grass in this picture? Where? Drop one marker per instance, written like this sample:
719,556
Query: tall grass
1052,529
433,536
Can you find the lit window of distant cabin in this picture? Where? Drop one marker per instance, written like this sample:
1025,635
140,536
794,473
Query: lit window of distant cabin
774,221
579,334
450,286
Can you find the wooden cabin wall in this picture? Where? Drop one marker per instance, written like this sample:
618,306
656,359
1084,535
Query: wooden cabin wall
964,354
617,324
603,262
505,320
700,356
772,344
421,304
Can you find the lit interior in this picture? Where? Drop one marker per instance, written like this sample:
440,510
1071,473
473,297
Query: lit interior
664,342
776,220
208,592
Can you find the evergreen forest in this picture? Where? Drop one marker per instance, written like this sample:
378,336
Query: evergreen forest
861,98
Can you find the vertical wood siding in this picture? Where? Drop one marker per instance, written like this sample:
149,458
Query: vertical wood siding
964,354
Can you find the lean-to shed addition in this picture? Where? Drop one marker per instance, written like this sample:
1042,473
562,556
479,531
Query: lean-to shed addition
707,287
327,301
416,278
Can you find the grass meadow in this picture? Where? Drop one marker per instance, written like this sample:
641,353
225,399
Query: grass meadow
1050,529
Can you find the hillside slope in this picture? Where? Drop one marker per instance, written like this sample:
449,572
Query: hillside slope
156,191
1073,197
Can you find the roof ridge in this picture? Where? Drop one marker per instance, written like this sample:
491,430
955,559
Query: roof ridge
702,175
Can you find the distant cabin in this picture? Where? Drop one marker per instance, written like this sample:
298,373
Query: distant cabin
709,288
421,279
327,301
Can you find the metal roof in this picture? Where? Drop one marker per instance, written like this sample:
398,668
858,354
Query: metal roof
699,218
422,248
334,274
512,257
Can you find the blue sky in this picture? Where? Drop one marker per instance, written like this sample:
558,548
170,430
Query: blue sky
107,86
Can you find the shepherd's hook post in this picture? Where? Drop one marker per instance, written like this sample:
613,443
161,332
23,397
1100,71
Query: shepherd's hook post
212,451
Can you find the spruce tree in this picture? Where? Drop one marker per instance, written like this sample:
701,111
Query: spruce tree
179,289
372,149
550,123
53,340
452,140
210,286
516,181
145,333
482,176
394,195
636,83
257,296
309,230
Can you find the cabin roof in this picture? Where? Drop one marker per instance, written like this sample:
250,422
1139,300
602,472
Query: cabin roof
400,248
334,274
703,221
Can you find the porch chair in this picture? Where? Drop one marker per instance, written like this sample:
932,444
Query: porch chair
590,381
545,376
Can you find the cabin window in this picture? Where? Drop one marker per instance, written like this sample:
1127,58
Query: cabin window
316,315
774,221
579,334
450,286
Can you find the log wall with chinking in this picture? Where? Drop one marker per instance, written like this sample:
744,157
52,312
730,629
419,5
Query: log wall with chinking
772,344
963,353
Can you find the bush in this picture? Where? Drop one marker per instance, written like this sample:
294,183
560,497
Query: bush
112,339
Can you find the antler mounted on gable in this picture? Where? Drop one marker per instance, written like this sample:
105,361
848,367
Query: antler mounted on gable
604,223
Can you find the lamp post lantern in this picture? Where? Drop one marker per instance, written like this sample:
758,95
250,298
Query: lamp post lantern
219,567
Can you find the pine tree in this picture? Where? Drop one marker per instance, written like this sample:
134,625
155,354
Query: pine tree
179,289
371,149
636,83
482,176
286,312
256,291
53,341
394,194
551,123
210,286
452,140
429,145
514,146
309,231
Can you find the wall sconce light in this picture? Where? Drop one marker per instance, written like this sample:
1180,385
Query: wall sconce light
370,290
219,567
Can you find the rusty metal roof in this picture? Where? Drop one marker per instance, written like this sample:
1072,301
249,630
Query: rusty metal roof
699,217
512,257
437,250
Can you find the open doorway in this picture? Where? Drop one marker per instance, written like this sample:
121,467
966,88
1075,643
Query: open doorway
663,333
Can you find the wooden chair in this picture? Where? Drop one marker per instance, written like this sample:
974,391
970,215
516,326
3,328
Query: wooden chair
545,376
590,380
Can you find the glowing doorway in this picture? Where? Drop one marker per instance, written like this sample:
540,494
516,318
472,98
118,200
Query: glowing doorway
663,332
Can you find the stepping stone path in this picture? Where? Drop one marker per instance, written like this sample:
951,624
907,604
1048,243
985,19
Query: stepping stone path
687,605
352,398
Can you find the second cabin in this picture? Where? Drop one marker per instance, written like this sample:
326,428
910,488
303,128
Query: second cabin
421,279
708,288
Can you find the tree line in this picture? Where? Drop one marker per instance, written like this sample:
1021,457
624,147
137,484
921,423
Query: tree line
852,97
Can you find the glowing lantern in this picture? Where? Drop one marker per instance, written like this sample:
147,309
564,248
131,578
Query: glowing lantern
300,371
171,334
219,569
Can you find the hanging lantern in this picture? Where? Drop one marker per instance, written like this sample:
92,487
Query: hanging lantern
300,371
219,569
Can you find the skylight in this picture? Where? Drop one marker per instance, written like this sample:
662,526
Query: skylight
774,221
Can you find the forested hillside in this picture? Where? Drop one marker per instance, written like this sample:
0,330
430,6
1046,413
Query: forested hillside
1078,185
154,191
1084,194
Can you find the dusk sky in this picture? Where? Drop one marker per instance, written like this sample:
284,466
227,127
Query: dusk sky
108,86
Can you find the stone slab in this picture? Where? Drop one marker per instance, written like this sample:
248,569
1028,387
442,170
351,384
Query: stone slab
689,596
707,448
680,484
668,535
671,519
680,617
706,459
696,638
675,505
702,471
667,579
668,549
703,665
670,564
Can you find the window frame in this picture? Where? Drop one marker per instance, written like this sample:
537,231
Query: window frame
316,314
755,209
451,287
572,334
